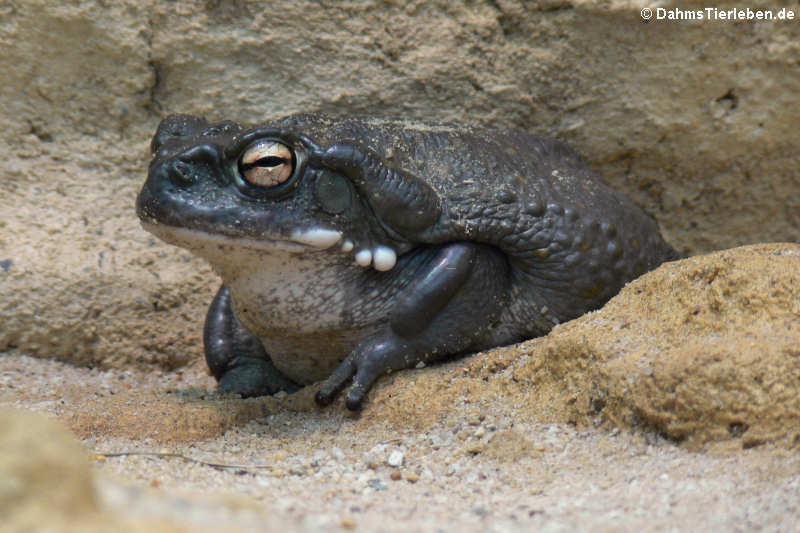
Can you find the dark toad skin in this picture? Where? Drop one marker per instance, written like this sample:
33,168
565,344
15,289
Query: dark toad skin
384,244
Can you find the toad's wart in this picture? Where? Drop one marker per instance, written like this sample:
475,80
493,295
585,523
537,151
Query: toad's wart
349,248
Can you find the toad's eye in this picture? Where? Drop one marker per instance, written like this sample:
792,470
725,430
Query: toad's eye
266,164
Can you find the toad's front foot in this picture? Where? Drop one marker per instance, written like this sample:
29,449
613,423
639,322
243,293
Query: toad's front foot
434,317
365,365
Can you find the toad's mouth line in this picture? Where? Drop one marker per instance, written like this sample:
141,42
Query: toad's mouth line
299,241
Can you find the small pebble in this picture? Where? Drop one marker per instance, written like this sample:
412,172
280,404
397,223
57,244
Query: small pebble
347,522
475,447
396,476
476,420
395,458
412,477
377,484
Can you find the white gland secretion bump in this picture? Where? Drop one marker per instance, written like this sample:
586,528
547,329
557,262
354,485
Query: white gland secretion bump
384,258
317,237
364,258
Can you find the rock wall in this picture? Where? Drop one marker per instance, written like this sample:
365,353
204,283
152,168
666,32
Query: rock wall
696,120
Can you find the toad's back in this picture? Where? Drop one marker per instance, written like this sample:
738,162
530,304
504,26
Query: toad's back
571,240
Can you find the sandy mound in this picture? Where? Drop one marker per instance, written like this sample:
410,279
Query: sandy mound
701,350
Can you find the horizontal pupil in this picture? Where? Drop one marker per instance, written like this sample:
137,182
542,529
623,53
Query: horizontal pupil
265,162
269,161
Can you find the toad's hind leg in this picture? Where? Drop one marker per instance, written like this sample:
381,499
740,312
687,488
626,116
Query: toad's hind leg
450,306
235,356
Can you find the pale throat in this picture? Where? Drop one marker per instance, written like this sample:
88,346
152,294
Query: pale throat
285,292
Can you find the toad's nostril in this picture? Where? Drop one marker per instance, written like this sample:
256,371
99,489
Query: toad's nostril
181,173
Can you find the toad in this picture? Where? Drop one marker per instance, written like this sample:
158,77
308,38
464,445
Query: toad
349,248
